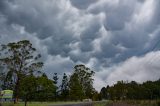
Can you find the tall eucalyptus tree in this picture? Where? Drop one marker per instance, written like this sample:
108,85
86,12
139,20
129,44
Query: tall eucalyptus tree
20,59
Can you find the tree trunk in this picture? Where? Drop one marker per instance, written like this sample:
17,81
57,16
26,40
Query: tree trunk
16,91
26,101
55,96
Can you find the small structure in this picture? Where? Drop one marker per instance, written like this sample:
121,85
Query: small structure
6,95
87,100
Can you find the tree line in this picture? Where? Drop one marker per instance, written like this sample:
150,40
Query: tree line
20,67
149,90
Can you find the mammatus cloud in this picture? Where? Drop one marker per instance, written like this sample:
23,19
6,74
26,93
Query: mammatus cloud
82,4
108,36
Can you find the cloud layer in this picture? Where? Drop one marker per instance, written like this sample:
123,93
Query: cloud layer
114,38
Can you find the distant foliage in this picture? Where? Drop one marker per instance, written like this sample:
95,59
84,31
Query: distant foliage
149,90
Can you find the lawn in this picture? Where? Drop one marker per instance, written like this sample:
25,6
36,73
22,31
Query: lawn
98,103
136,103
37,103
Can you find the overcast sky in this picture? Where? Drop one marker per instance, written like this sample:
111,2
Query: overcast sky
118,39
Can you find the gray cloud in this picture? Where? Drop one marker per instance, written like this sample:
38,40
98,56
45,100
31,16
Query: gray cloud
145,68
118,12
82,4
105,35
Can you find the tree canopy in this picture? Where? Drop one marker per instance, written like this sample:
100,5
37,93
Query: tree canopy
82,77
149,90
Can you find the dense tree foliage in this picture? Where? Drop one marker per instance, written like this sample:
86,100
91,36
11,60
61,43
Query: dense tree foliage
149,90
39,88
76,90
81,82
28,87
85,77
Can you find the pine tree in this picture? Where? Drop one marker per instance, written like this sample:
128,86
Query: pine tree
55,81
65,87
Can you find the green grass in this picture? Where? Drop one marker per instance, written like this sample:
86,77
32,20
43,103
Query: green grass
99,103
138,102
145,102
37,103
102,103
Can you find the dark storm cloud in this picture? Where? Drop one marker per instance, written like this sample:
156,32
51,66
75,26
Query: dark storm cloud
126,32
58,45
32,19
42,20
117,18
2,4
88,36
104,34
82,4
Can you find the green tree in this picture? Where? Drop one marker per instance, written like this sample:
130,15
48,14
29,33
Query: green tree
45,89
76,90
103,93
65,87
82,77
55,78
55,81
149,90
85,77
28,88
96,96
21,59
37,88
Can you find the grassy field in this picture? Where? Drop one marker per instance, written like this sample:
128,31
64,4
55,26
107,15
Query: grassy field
129,103
100,103
37,103
136,103
145,102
